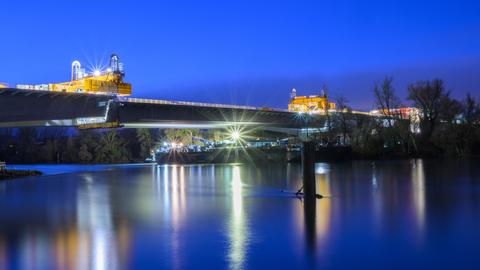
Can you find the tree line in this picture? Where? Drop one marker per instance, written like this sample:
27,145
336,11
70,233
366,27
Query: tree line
67,145
439,125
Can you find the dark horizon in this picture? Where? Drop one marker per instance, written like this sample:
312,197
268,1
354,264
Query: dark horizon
248,53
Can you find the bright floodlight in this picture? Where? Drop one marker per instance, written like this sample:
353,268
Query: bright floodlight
235,135
96,73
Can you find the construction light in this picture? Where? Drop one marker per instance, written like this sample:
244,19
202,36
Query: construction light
96,73
235,135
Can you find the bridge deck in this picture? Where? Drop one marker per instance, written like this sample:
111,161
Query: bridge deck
46,108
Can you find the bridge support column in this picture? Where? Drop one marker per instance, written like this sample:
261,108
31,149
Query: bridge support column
308,165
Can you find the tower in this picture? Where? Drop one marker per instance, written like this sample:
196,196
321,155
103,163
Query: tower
77,72
324,91
293,94
115,65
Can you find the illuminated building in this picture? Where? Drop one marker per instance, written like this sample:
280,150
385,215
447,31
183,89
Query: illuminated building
109,81
407,113
3,85
309,104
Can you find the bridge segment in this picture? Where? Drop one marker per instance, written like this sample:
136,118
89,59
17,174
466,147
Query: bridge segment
33,108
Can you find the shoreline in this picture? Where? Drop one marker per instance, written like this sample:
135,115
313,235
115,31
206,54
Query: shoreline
13,174
29,170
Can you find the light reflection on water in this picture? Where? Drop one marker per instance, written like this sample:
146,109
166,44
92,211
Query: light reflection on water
238,227
324,205
94,224
179,217
418,192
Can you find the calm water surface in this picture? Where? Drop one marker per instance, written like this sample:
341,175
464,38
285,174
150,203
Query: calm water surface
394,214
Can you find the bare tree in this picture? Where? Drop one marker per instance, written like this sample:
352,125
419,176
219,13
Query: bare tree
386,100
463,134
391,127
427,97
343,112
471,110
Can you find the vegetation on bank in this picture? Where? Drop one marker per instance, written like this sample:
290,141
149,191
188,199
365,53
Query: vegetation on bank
443,127
67,145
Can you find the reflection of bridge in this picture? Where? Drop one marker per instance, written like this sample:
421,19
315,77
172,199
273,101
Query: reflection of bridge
20,108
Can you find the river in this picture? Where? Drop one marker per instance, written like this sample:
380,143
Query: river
408,214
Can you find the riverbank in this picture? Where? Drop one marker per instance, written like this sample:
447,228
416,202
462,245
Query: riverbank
56,169
11,174
231,155
322,154
253,155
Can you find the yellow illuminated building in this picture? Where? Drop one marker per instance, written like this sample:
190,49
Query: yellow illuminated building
106,83
109,81
309,104
3,85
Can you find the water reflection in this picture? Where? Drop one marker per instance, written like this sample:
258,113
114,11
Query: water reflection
170,180
322,177
418,192
94,237
185,217
377,199
238,229
316,212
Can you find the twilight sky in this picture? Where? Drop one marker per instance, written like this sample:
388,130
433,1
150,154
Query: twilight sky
246,52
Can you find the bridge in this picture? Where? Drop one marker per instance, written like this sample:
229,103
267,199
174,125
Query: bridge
36,108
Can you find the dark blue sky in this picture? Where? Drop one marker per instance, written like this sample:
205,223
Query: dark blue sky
246,52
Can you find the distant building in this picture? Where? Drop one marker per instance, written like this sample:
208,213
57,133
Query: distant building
407,113
310,104
3,85
108,81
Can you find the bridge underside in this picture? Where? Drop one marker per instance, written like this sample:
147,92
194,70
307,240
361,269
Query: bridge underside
210,125
25,108
20,108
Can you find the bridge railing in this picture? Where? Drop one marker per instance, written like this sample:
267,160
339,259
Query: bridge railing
226,106
196,104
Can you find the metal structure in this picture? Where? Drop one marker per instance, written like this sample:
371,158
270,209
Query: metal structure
77,71
103,82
